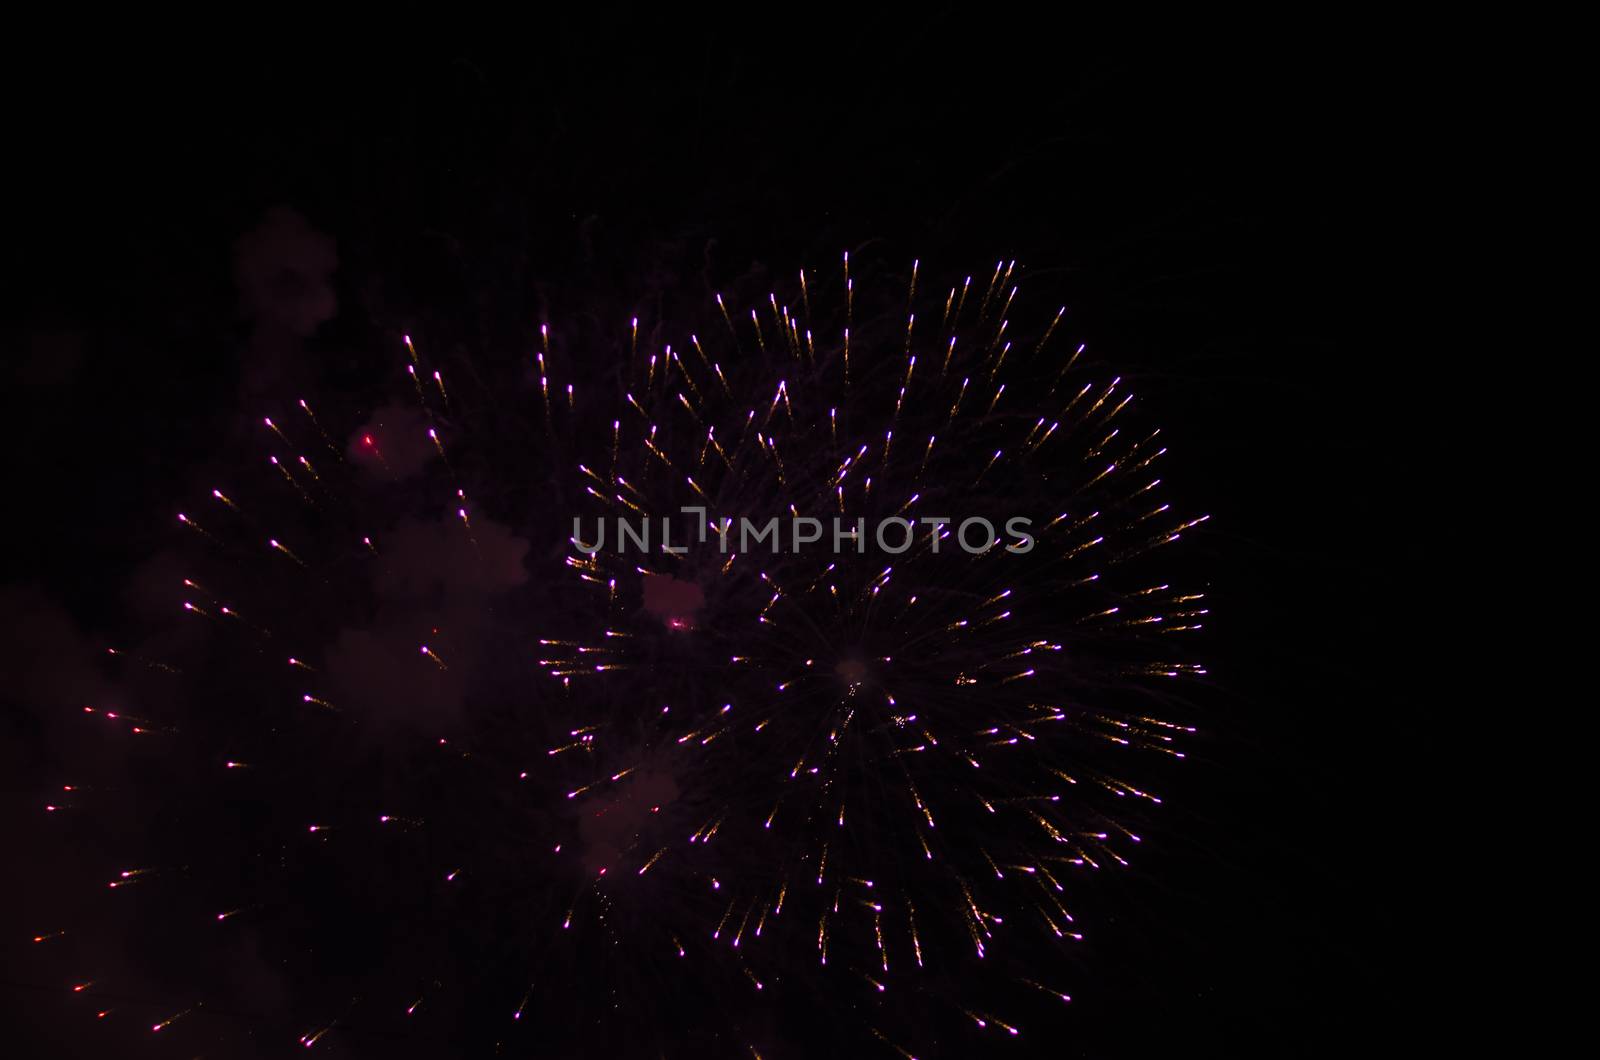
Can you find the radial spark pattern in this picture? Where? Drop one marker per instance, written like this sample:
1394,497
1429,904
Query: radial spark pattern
458,759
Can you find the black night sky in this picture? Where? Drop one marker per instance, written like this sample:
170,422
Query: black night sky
1224,222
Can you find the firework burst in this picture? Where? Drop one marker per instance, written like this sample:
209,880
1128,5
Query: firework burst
828,657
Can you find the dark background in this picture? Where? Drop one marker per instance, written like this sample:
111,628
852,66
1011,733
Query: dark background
1230,223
